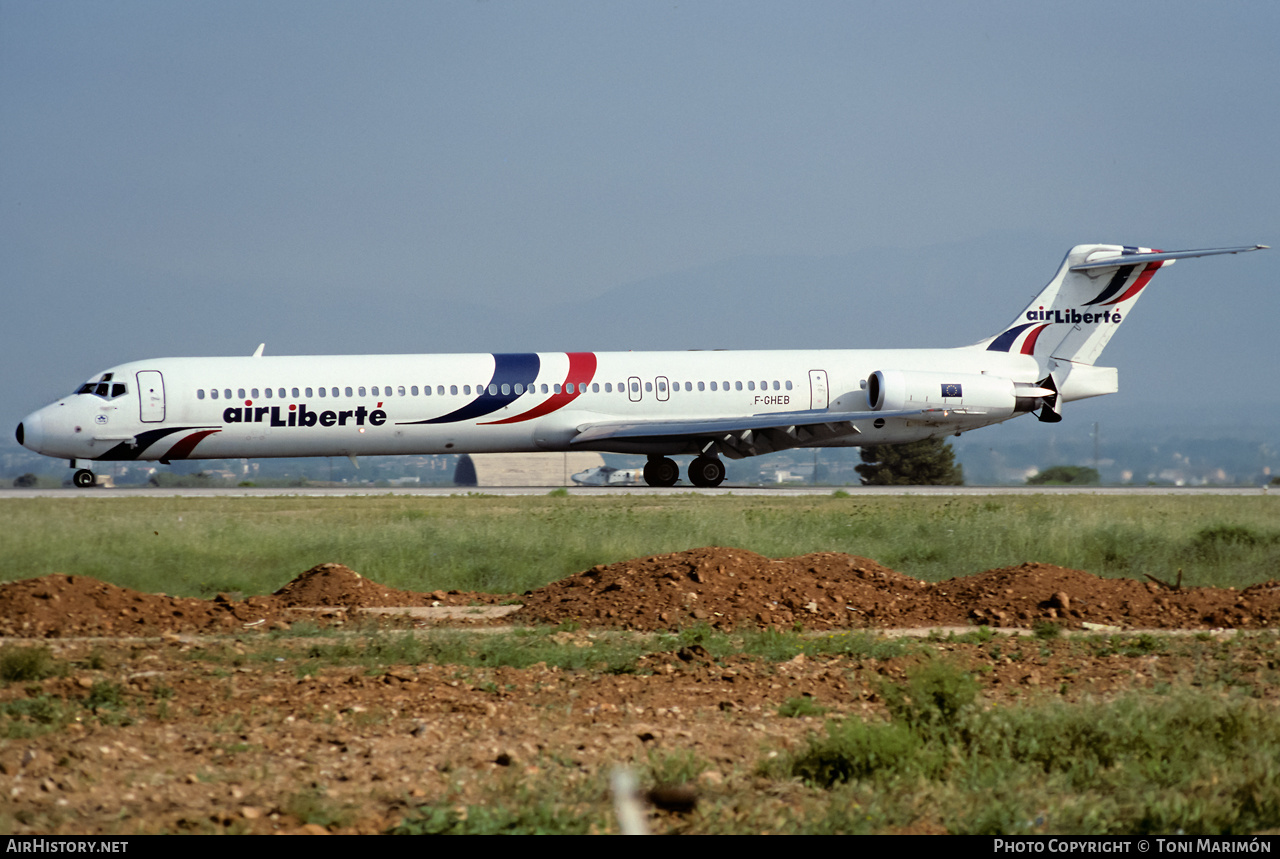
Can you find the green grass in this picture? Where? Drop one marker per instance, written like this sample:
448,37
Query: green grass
1140,764
608,653
200,546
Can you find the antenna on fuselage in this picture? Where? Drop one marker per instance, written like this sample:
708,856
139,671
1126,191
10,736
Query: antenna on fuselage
257,353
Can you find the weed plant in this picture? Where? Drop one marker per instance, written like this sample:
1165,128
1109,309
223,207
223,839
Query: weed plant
21,663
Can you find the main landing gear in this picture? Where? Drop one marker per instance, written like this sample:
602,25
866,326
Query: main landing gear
661,471
704,471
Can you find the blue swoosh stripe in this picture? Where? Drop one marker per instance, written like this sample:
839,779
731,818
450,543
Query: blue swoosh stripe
1005,340
1118,280
511,369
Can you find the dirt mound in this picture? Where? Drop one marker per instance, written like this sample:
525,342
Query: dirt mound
726,588
58,605
730,588
336,585
1023,595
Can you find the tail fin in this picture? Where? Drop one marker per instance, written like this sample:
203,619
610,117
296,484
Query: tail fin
1096,287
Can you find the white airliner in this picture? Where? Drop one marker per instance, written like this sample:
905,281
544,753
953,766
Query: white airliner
661,404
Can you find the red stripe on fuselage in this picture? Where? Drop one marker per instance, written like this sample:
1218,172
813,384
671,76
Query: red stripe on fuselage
582,368
185,445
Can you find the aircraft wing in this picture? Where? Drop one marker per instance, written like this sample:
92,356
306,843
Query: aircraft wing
739,437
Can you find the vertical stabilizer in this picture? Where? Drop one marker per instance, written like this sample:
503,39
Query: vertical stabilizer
1095,289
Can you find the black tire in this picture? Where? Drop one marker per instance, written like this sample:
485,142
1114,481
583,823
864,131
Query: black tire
706,471
661,472
83,478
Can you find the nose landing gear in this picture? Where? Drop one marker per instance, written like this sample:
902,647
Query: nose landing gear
83,478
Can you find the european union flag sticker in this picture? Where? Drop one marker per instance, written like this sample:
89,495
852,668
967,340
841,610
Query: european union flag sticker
952,391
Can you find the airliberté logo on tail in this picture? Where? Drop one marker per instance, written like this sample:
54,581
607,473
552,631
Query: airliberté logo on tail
1073,316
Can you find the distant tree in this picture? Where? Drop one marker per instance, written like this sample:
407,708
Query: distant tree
26,481
1065,475
929,462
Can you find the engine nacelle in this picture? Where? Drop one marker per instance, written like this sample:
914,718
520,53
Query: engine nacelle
896,390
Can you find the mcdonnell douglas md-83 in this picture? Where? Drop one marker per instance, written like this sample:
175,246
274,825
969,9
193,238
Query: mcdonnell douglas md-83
660,404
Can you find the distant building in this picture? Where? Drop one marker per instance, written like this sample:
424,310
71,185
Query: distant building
523,469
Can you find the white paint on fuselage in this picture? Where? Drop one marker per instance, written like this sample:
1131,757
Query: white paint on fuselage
84,426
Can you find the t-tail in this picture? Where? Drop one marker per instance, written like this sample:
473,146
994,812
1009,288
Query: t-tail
1066,326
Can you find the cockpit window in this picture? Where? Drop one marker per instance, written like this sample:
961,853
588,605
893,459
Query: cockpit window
104,388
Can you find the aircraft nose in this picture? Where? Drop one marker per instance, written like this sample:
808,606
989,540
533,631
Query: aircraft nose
31,432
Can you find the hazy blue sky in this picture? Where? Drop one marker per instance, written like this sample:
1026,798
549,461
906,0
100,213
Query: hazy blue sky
195,178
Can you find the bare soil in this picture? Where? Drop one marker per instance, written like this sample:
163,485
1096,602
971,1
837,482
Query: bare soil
216,740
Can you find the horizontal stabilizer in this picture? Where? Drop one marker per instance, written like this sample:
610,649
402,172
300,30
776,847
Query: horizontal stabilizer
1160,256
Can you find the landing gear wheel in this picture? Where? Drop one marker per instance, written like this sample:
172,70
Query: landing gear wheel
706,471
83,478
661,472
